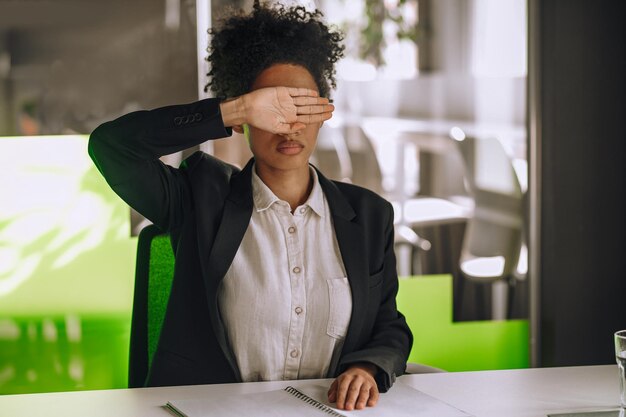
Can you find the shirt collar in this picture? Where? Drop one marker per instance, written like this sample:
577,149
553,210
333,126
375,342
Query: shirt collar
316,198
263,197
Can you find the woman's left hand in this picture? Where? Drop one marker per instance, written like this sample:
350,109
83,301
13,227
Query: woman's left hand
355,388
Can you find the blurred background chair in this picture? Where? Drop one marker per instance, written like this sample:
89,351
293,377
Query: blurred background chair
493,250
346,153
153,281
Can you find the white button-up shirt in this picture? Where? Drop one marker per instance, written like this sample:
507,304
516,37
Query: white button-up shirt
285,300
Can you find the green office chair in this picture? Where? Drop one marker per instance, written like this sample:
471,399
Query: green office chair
153,281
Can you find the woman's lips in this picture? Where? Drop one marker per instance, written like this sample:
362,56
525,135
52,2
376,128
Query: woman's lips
290,147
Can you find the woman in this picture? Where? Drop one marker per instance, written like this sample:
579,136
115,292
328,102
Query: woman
280,273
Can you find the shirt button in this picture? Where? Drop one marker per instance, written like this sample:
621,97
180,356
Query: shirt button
303,210
291,229
296,270
298,310
294,353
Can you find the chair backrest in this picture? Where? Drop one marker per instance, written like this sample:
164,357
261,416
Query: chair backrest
153,281
345,153
495,229
366,169
331,155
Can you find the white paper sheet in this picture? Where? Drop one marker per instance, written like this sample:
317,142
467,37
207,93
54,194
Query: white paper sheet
400,401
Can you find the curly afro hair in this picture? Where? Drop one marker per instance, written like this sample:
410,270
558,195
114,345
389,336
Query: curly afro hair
247,44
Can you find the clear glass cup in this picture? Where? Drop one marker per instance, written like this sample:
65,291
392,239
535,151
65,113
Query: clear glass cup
620,357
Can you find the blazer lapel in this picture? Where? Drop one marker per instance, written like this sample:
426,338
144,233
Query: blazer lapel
234,223
351,240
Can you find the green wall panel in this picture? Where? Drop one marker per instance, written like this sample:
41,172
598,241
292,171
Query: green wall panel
66,269
426,301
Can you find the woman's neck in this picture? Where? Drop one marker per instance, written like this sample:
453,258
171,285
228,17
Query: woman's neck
293,186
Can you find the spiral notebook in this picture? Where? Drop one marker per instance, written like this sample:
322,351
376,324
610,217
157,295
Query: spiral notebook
310,401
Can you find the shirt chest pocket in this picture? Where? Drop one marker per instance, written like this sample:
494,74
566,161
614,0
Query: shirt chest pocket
339,307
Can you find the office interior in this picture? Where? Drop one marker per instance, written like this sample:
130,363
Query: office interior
495,128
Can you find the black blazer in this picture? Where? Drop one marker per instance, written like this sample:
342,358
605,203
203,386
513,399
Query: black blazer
206,206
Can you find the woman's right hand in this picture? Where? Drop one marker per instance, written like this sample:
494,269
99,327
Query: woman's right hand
281,110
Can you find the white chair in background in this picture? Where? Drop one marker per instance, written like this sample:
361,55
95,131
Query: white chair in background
493,250
351,149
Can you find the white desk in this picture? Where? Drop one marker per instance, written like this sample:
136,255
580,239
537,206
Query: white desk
515,393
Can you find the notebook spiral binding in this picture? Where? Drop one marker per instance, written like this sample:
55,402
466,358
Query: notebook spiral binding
322,407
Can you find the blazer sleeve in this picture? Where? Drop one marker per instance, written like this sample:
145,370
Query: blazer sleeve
391,339
126,151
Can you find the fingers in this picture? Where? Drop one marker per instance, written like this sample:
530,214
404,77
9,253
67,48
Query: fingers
342,390
355,388
311,105
349,392
284,110
353,392
313,118
332,392
373,399
295,92
359,401
315,109
314,113
300,123
308,101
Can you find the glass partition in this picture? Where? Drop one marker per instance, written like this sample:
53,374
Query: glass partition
416,72
66,269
